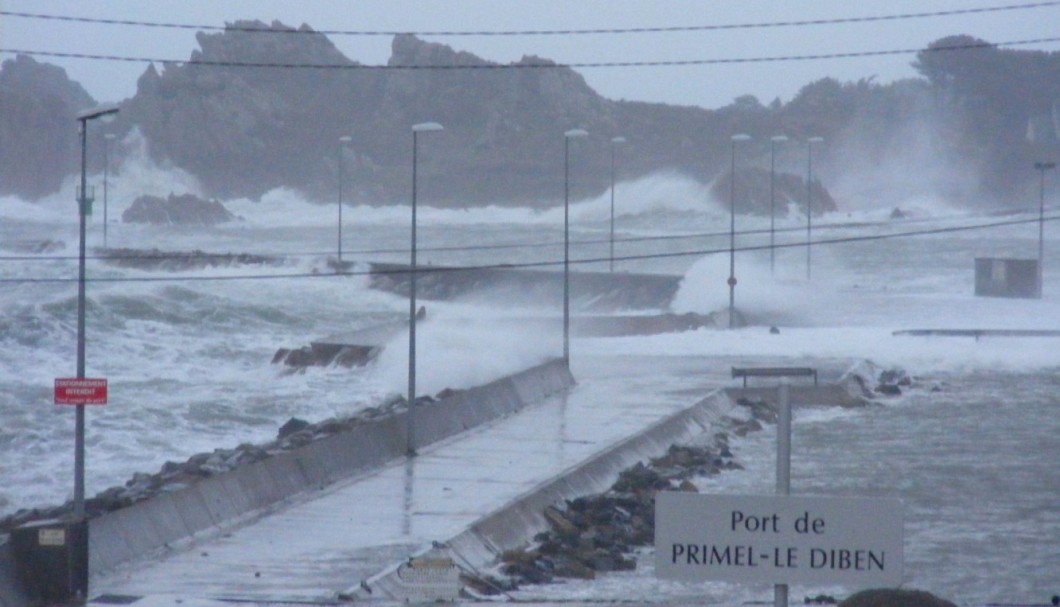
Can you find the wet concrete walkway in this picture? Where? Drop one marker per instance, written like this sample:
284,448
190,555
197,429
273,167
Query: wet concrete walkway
324,543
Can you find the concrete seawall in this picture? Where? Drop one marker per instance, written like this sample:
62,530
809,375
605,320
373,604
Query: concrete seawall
155,524
148,526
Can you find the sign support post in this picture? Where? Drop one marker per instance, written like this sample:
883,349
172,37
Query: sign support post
780,591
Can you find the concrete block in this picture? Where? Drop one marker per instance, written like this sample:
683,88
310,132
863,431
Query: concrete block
216,500
191,506
136,528
256,485
166,517
287,477
313,468
233,492
334,456
106,544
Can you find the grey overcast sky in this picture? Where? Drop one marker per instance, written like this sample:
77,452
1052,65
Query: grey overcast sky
708,86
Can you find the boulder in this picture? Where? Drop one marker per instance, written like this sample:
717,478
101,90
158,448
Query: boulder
186,209
291,426
894,597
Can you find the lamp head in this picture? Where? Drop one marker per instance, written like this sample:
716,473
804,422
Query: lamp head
741,137
576,134
779,138
425,127
618,140
105,112
345,139
815,139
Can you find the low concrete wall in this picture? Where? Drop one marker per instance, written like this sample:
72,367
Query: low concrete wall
130,533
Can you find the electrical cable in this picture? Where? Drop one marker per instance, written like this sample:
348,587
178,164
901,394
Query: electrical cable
532,64
423,270
278,257
557,32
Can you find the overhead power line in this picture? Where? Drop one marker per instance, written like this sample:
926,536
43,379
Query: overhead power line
533,65
535,264
544,32
277,256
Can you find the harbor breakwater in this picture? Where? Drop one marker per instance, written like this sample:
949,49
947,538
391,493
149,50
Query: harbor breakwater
510,529
210,505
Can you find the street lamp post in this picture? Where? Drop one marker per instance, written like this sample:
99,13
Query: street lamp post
571,134
343,142
1042,168
809,197
106,168
732,231
614,141
104,112
773,141
410,442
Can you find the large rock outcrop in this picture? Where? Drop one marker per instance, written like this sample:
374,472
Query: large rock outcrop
38,127
754,188
186,209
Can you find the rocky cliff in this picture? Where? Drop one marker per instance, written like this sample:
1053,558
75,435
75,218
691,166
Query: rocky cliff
246,130
244,115
39,144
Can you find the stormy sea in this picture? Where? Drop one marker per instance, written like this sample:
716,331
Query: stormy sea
970,448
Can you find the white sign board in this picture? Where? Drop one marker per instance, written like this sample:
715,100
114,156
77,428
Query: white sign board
778,539
51,537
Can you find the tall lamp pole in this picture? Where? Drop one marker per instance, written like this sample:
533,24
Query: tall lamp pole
106,167
773,141
410,439
343,142
614,141
732,231
1042,168
809,197
571,134
104,112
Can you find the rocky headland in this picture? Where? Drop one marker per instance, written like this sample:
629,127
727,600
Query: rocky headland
185,209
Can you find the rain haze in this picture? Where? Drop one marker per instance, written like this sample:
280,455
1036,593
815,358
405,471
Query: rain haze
305,394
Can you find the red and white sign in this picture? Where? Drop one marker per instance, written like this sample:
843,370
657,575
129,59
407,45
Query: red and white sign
80,391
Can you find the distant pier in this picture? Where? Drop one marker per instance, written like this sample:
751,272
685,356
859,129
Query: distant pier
977,333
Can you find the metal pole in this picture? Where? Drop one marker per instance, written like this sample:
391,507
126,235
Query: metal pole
732,238
809,202
106,169
566,239
341,144
566,250
1042,167
79,438
410,427
345,139
783,440
1041,226
614,142
772,203
612,256
780,591
809,198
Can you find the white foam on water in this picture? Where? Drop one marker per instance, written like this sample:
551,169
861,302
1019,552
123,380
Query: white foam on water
189,359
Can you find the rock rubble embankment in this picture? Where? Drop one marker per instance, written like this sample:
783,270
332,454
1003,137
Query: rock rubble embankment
175,476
